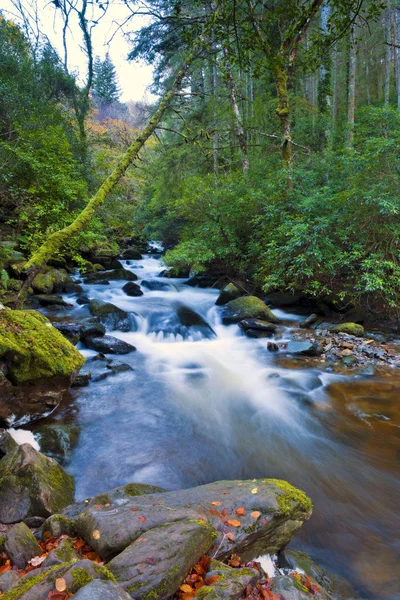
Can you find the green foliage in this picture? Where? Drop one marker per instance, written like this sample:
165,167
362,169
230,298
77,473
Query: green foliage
105,83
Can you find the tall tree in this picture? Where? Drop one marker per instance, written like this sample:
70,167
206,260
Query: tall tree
105,88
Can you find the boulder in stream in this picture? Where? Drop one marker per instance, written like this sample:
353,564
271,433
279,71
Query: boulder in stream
257,328
132,289
57,440
31,484
350,328
228,293
51,281
109,344
37,365
110,315
273,512
50,300
247,307
132,253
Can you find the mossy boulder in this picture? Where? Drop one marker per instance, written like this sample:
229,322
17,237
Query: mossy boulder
21,546
110,315
58,525
78,574
32,349
32,484
351,328
115,275
132,253
155,566
274,511
64,553
228,293
51,280
231,582
247,307
37,364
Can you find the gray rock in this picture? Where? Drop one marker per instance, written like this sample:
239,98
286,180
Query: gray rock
73,288
76,575
114,496
57,440
83,300
89,328
58,525
71,331
228,293
289,588
132,253
32,484
109,345
132,289
9,580
282,510
82,380
154,285
21,545
309,321
247,307
64,553
337,586
231,583
194,322
304,348
115,275
102,590
110,315
50,300
159,562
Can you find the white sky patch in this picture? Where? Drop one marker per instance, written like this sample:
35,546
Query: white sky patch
134,77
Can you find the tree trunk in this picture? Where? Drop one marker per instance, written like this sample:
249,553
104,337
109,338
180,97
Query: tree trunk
351,98
388,55
324,83
334,92
397,13
215,136
283,111
60,238
236,111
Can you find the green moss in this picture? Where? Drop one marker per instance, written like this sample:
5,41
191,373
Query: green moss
152,595
59,525
2,542
248,307
34,349
102,499
133,587
139,489
80,578
291,496
104,573
30,582
350,328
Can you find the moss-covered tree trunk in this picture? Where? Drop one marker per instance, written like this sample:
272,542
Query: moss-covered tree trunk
60,238
283,110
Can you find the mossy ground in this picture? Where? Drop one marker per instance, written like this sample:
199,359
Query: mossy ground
33,348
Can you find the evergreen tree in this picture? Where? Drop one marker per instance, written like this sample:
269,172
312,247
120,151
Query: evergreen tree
105,83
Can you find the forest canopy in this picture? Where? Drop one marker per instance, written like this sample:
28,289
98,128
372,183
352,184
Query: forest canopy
276,160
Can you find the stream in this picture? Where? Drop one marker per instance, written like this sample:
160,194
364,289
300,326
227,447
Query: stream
195,410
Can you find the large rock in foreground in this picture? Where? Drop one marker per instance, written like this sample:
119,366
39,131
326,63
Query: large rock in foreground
247,307
251,517
37,365
31,484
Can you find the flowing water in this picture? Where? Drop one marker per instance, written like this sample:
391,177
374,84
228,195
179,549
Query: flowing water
202,405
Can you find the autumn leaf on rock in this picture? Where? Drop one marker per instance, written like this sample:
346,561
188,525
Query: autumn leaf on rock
37,560
241,511
230,536
142,519
254,491
61,586
150,560
234,523
216,503
255,514
186,588
96,534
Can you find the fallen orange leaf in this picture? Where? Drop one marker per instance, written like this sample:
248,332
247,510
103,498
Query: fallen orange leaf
186,588
254,491
216,503
61,586
241,511
96,535
255,514
234,523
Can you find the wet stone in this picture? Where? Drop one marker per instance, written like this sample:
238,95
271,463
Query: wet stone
21,545
102,590
158,562
109,345
231,583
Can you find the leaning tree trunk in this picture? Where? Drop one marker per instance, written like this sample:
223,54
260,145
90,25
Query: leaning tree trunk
59,238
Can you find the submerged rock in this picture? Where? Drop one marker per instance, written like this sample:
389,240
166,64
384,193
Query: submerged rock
156,286
115,275
305,348
256,328
247,307
31,484
110,315
228,293
58,440
132,289
108,344
50,300
193,321
38,362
